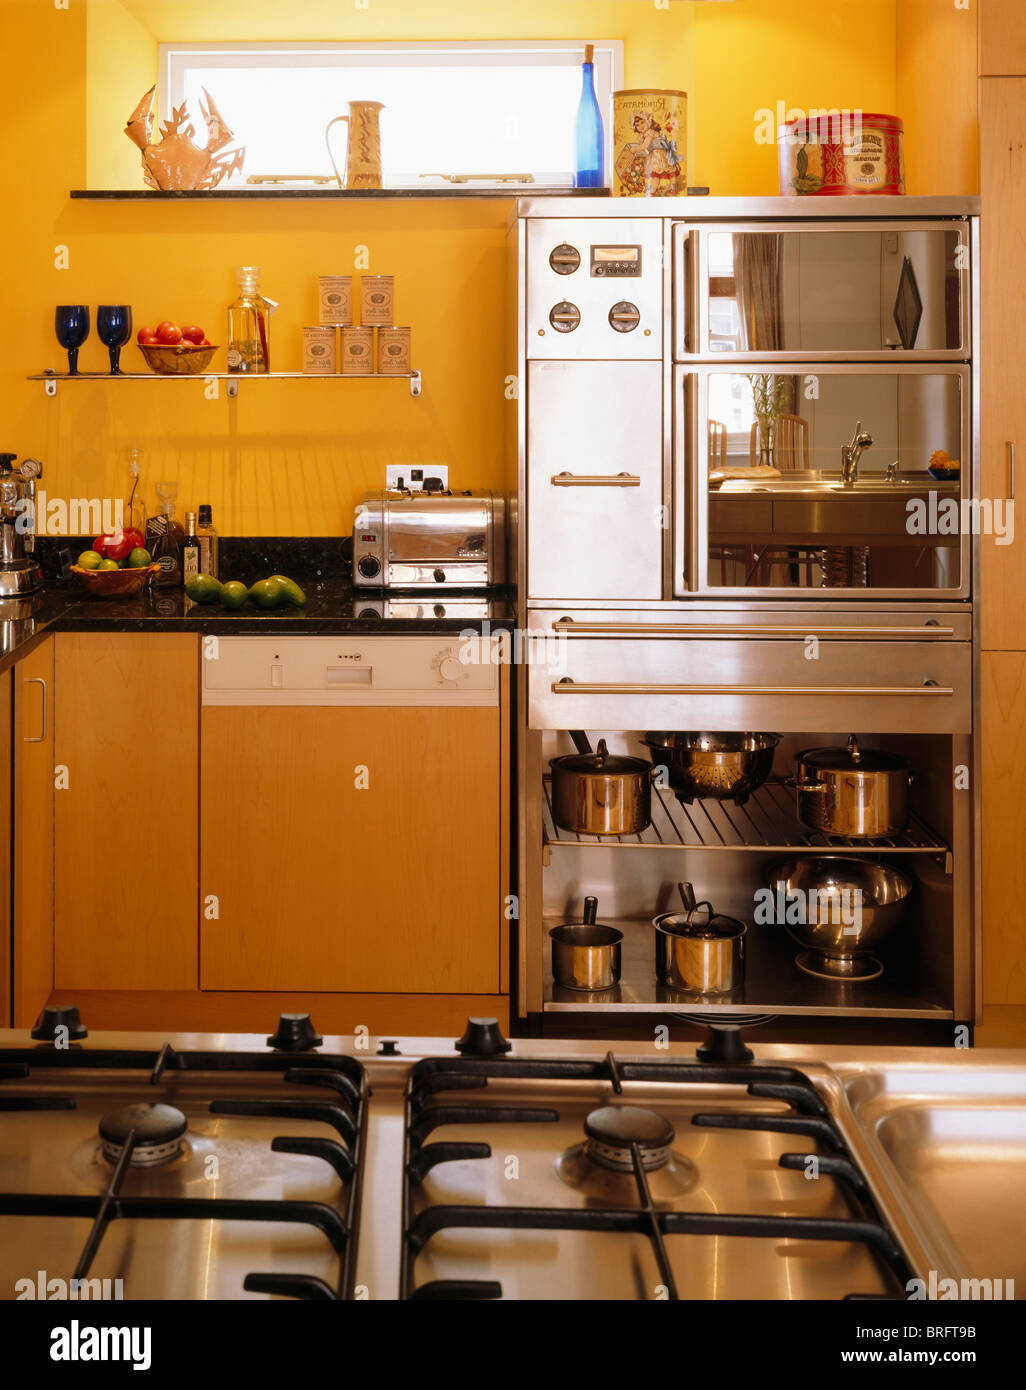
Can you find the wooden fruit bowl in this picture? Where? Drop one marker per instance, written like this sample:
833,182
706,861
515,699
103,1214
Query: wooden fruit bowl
115,583
183,359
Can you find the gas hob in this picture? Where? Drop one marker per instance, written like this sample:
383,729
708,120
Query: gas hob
234,1167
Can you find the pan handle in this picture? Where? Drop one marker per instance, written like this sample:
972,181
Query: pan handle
687,896
580,740
590,911
796,784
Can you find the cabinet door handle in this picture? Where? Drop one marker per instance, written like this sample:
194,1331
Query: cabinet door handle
741,630
567,686
1010,449
595,480
38,680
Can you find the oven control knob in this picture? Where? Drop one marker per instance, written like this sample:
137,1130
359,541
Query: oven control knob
564,316
625,316
56,1016
439,576
482,1038
369,566
565,259
449,668
295,1034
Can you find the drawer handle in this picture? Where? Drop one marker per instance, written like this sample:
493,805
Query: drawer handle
1010,447
595,480
38,680
743,630
567,686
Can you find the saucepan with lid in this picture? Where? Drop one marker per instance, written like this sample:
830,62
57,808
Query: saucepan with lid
600,793
586,955
698,949
861,794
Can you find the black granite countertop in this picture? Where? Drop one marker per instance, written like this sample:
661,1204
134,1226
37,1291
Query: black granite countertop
333,608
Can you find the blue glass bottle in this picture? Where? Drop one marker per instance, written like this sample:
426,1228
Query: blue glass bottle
591,145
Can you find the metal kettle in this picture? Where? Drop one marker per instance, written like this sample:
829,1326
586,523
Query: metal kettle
19,572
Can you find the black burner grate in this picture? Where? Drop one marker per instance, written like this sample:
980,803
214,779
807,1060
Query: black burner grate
808,1117
345,1112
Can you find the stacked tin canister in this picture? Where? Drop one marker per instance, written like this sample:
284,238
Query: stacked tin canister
374,345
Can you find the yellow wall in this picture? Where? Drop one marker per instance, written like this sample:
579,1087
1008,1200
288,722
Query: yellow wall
292,457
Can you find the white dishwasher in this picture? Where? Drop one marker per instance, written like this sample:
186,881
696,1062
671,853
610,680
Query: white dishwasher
351,818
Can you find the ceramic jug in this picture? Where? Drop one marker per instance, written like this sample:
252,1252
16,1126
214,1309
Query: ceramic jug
363,145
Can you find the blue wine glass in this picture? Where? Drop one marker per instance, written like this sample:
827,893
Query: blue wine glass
72,325
114,328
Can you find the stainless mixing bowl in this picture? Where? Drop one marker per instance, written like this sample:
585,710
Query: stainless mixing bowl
856,905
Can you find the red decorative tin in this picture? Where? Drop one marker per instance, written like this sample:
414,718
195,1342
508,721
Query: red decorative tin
837,154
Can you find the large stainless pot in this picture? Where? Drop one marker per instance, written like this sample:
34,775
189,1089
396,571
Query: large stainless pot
845,791
722,767
600,793
699,950
839,908
586,955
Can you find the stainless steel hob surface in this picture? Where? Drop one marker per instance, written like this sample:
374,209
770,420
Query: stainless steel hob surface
551,1170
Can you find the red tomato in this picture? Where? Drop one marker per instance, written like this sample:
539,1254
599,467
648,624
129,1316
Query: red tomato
206,343
136,539
151,341
168,333
192,334
145,335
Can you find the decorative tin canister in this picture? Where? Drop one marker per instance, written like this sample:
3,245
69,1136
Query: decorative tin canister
335,300
393,351
357,351
320,350
650,143
377,295
840,154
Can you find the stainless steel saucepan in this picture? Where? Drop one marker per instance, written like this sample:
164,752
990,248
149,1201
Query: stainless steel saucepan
699,950
586,955
600,793
861,795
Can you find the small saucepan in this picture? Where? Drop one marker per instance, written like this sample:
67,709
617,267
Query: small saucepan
699,950
600,793
586,955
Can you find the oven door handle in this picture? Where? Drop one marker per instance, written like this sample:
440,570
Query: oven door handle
595,480
568,686
741,630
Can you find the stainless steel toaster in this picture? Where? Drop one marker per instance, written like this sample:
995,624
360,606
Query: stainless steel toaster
430,540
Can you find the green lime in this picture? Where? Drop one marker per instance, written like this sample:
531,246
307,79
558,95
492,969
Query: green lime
234,594
267,593
202,588
139,558
293,593
107,565
89,560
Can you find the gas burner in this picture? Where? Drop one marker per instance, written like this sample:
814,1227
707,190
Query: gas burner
611,1130
158,1133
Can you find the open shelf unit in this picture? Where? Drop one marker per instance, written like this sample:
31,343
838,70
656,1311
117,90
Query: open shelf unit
50,379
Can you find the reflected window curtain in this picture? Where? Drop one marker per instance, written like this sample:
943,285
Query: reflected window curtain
757,289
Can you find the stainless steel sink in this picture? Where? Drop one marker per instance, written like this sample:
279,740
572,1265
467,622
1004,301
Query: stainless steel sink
816,482
949,1141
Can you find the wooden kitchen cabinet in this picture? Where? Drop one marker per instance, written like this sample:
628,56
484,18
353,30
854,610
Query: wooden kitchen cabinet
1003,754
325,885
125,828
32,840
1003,316
6,787
1002,38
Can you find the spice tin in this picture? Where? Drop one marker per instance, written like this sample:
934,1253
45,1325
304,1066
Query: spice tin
320,351
841,154
358,351
393,351
650,143
335,299
377,294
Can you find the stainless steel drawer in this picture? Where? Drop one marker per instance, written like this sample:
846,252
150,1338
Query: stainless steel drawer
787,684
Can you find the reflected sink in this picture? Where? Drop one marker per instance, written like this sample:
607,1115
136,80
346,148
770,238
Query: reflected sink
951,1140
816,482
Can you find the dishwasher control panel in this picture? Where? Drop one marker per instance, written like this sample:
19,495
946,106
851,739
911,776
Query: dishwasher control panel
462,669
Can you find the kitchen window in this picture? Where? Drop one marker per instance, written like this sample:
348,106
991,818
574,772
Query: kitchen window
450,109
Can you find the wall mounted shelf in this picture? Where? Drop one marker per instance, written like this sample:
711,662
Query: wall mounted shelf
50,379
509,191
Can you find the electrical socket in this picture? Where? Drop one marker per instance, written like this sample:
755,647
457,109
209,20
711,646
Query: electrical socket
413,475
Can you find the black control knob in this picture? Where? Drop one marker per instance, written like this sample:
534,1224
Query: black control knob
624,317
295,1034
439,576
482,1038
565,259
56,1016
369,566
564,316
387,1048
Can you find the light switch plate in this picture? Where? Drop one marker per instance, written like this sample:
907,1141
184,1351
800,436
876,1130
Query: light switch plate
413,476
